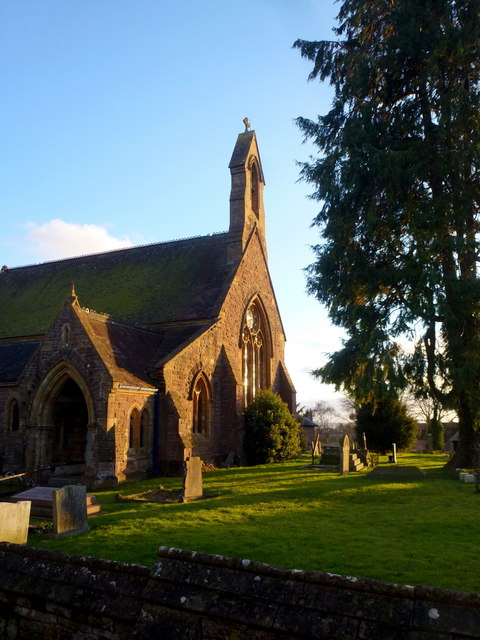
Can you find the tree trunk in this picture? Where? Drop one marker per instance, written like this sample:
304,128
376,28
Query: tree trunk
465,456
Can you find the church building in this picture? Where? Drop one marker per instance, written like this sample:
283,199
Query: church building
122,364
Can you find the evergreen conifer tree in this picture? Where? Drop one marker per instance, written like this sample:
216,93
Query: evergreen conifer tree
398,178
384,423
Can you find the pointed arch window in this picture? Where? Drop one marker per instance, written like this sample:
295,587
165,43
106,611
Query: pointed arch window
256,350
255,189
134,433
201,398
13,415
65,335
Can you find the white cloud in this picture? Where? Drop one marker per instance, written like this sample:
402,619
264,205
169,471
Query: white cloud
58,239
306,349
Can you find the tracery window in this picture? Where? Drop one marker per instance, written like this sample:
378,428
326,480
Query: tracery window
255,352
201,405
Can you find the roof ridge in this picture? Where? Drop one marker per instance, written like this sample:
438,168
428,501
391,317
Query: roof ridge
110,251
116,320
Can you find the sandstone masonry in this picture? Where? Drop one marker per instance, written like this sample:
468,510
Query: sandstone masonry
195,596
124,364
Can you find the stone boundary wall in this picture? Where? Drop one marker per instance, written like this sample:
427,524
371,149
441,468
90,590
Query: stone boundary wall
192,596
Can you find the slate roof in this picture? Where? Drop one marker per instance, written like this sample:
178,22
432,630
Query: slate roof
129,352
168,282
14,358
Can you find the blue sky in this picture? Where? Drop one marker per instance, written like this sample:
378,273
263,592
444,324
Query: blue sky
118,119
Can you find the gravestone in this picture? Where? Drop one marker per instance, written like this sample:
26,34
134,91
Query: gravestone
316,447
42,501
14,519
394,452
229,461
69,510
192,479
467,477
344,454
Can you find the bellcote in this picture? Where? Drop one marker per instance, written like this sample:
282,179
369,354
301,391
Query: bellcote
246,195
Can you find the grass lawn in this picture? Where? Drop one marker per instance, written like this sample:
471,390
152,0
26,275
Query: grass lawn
419,532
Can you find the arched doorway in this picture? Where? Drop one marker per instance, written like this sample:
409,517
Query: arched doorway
60,417
69,422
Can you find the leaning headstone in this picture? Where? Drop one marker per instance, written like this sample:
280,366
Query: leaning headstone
14,519
229,461
344,454
192,479
69,510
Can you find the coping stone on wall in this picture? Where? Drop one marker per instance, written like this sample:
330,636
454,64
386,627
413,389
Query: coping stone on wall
191,595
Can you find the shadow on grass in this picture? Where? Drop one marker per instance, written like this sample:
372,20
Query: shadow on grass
293,517
241,487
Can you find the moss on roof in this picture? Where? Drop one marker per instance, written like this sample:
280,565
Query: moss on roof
130,353
168,282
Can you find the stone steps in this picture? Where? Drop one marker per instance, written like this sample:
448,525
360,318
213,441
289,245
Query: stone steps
42,499
331,457
355,463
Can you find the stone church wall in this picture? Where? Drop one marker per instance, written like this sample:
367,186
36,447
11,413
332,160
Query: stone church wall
76,353
107,452
218,353
195,596
204,354
130,463
252,279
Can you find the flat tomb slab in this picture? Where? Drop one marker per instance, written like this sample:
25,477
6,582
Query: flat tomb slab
42,501
396,472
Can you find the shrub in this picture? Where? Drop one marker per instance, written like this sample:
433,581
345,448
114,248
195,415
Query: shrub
271,432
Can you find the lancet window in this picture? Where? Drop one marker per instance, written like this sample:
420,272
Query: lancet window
255,188
134,435
65,335
201,405
13,415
